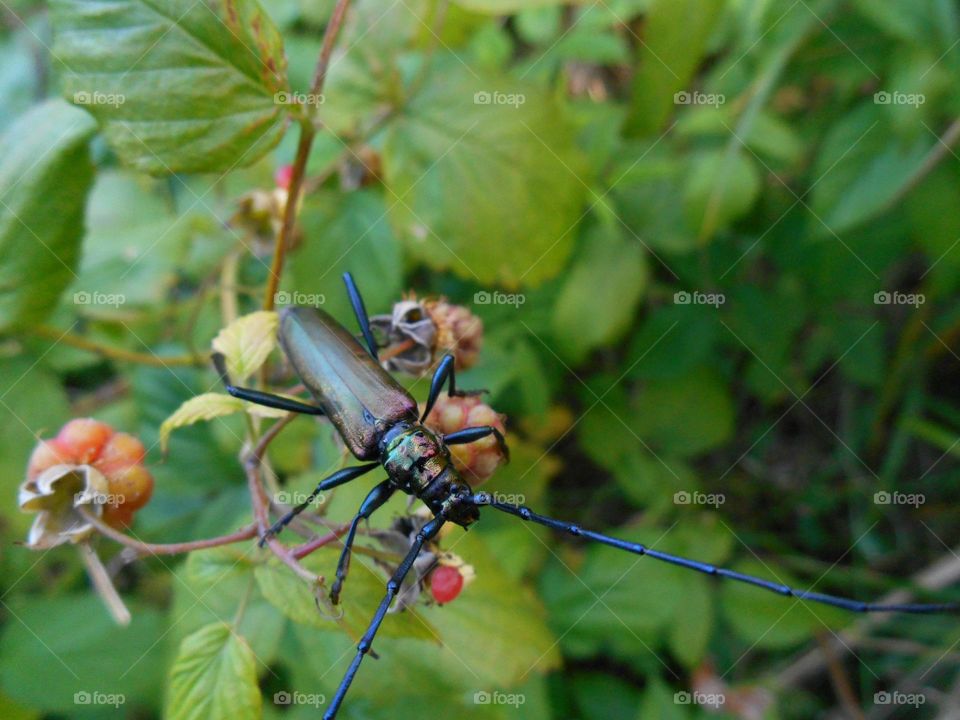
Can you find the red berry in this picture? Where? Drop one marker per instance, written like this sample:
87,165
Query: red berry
118,516
283,176
45,455
446,582
120,452
83,439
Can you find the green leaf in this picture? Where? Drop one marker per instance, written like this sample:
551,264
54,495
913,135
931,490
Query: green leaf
722,185
675,39
599,297
207,407
861,170
214,677
484,179
178,86
363,590
505,7
45,173
246,342
52,648
685,416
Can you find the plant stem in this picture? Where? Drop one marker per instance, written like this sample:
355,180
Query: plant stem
115,353
244,533
307,134
103,584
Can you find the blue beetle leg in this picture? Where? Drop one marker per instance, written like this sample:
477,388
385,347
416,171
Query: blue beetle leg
374,500
427,532
259,397
356,300
478,432
340,477
443,373
857,606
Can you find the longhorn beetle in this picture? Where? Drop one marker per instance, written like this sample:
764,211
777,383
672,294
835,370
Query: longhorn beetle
379,423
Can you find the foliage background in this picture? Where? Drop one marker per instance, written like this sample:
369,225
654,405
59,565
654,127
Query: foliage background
599,198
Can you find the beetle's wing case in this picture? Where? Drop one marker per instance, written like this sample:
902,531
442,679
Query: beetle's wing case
361,399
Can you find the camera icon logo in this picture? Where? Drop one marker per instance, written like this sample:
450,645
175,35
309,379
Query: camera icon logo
82,98
482,97
482,297
882,97
481,697
882,497
282,698
682,297
682,98
681,497
82,698
682,698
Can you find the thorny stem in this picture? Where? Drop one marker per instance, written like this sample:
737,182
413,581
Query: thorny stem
115,353
307,134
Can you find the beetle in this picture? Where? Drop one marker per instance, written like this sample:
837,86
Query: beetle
378,421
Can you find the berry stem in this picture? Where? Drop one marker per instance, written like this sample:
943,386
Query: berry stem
103,584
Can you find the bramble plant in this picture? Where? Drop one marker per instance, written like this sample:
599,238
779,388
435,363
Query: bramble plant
702,255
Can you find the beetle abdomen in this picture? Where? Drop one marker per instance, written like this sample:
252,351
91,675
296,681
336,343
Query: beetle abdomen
361,399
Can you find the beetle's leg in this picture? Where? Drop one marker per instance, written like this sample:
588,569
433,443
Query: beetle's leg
340,477
478,432
525,513
427,532
375,499
259,397
356,300
443,373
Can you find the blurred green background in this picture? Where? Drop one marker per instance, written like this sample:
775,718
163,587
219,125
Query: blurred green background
714,247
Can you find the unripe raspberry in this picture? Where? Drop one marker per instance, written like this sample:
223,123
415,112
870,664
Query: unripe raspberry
121,451
45,455
82,439
478,460
134,485
118,516
459,332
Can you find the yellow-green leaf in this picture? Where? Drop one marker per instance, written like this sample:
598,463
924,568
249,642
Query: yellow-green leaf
246,342
214,676
207,407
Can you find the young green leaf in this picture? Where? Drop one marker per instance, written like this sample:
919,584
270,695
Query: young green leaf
246,342
214,676
177,86
207,407
45,173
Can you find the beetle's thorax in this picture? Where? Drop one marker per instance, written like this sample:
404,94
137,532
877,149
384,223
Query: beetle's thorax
419,464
